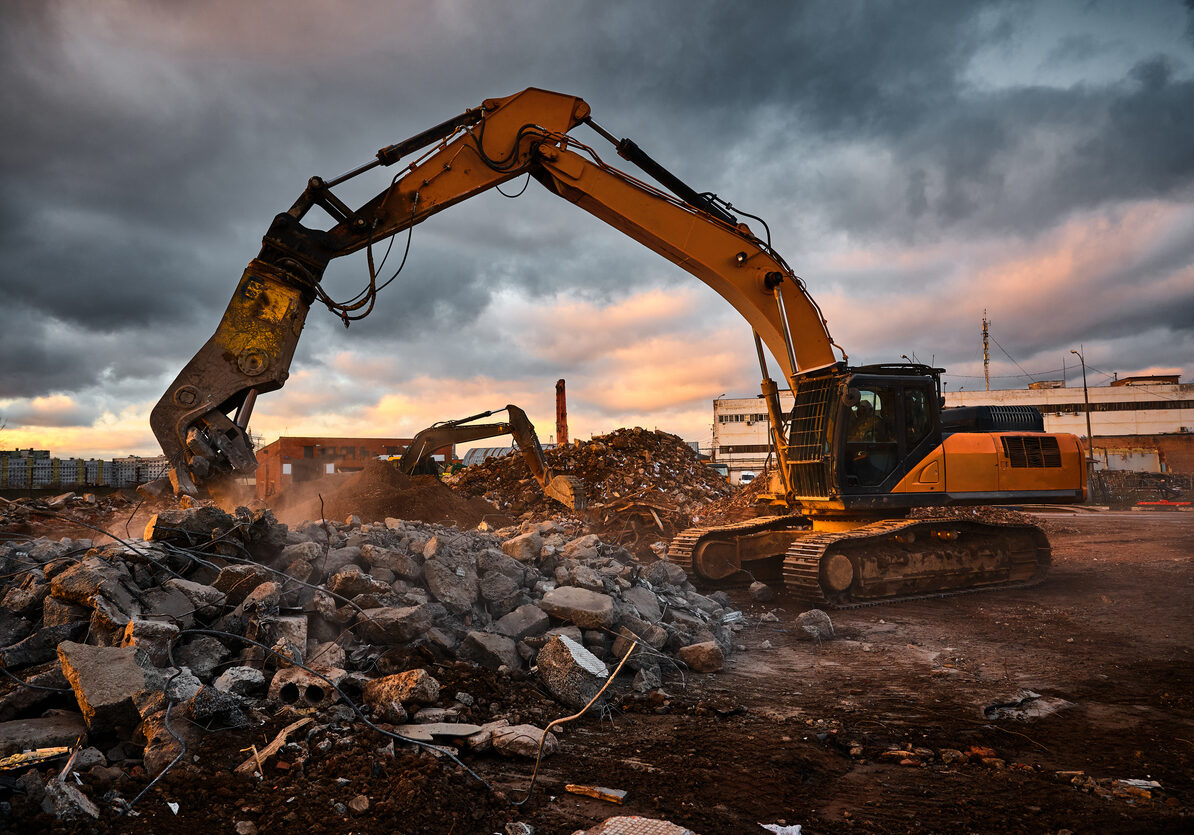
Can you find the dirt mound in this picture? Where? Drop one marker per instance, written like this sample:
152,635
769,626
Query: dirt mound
379,491
642,486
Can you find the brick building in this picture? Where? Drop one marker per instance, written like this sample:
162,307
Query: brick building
289,460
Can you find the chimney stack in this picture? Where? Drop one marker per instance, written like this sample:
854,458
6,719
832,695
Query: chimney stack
561,414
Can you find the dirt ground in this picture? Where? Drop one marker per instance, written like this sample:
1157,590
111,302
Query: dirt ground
796,732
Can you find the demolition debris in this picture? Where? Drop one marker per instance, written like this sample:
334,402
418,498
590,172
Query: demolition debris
138,649
642,486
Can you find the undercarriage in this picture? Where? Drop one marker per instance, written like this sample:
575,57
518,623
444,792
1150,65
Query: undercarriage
888,560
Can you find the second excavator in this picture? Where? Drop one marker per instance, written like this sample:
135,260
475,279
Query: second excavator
417,458
861,448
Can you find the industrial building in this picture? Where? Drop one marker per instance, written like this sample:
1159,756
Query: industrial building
1143,423
36,469
291,460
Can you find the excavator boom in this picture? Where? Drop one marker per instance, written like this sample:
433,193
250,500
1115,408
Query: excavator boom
202,419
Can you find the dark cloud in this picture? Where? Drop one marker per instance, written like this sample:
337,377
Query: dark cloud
148,144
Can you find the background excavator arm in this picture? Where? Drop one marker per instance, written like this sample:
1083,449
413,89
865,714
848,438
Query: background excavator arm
201,421
566,490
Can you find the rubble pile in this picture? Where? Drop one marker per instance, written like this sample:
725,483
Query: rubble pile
642,486
29,514
741,504
226,620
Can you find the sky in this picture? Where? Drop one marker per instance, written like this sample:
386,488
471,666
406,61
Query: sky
918,164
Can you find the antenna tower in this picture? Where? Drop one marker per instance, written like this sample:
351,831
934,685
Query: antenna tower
986,353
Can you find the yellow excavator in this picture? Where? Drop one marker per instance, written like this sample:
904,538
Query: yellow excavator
417,459
861,448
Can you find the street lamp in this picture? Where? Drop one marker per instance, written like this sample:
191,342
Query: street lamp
1086,402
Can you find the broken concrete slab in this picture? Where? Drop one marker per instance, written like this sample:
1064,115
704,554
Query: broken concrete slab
404,566
644,601
237,581
45,678
404,690
66,802
240,681
56,611
452,581
814,625
587,609
152,636
496,586
350,581
162,744
41,645
663,572
526,620
482,740
14,628
94,577
491,651
202,654
523,741
170,604
388,625
762,592
704,657
570,672
439,731
190,526
524,548
204,599
44,732
105,680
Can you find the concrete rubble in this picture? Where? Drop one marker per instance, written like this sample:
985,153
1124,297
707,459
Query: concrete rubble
643,486
222,620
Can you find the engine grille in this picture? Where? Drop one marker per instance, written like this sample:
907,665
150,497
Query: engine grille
1032,451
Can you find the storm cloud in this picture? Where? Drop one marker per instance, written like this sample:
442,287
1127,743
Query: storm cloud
917,164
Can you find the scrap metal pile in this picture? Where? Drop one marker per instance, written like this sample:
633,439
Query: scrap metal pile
642,486
127,653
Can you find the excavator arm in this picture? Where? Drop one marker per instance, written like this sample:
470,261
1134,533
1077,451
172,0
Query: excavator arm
202,419
567,490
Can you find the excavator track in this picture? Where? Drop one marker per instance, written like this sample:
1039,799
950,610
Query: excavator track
909,559
685,544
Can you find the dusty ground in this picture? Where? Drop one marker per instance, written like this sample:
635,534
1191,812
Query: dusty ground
1110,632
769,739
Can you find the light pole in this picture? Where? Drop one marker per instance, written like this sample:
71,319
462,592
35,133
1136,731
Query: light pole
1086,403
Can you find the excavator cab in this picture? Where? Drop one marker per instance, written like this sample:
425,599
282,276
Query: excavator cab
855,433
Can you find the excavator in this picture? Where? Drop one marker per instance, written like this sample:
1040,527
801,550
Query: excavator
861,449
417,458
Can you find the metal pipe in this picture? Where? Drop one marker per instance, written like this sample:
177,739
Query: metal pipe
783,321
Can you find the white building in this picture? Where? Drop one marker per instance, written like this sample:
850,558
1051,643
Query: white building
1135,409
1131,406
740,440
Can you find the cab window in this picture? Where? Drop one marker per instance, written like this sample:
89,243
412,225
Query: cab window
916,415
871,449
